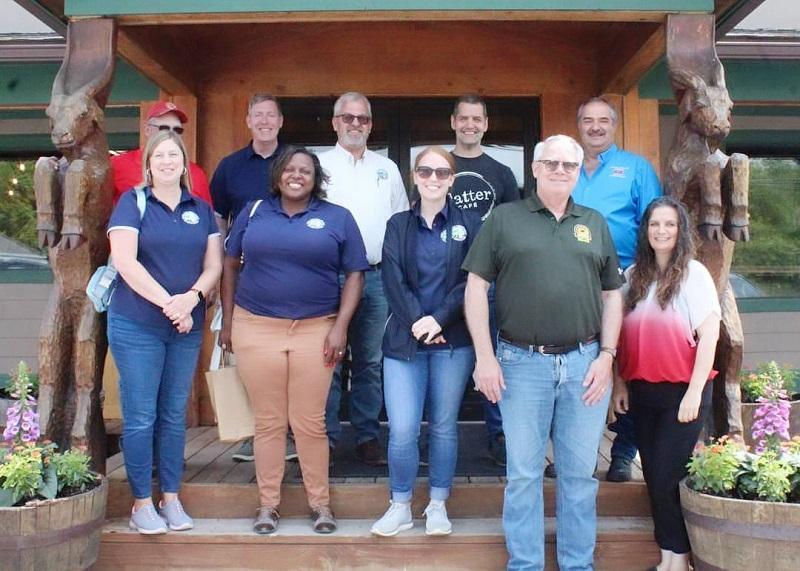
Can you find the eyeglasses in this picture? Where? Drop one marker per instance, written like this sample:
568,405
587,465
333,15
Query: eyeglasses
426,172
176,130
552,166
349,118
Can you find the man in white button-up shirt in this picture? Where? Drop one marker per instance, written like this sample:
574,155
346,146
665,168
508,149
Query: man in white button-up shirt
370,186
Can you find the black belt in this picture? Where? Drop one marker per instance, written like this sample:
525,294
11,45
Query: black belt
373,267
547,349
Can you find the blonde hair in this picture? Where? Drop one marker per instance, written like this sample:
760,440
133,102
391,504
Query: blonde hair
152,143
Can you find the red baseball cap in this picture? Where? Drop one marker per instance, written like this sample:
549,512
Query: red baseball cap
164,107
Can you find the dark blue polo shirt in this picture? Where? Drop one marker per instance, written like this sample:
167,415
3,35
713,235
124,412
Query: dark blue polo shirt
241,177
431,260
172,247
292,263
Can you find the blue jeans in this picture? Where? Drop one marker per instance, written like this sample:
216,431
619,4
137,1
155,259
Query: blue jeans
156,366
624,445
542,400
438,376
491,411
365,336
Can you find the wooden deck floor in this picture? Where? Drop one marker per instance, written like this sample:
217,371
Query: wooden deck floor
209,461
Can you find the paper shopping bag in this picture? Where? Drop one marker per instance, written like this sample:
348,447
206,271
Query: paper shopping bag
229,399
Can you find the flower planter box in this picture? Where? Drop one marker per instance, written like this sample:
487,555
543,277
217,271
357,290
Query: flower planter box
53,534
741,535
748,409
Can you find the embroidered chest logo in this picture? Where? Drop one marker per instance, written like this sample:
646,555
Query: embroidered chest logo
618,172
190,217
582,233
458,232
316,223
382,175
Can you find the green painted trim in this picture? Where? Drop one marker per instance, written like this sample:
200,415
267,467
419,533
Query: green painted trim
747,80
763,139
127,112
121,7
32,83
44,276
768,304
40,144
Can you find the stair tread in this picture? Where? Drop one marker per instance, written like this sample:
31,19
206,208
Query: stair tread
297,529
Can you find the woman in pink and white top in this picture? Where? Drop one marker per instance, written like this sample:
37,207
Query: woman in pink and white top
666,353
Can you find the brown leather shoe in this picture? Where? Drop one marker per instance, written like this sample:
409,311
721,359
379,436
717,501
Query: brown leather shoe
266,520
370,453
323,520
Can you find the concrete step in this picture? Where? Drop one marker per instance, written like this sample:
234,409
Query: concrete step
623,544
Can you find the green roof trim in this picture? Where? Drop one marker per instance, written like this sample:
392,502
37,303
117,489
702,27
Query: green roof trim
120,7
43,276
768,304
32,83
747,80
40,144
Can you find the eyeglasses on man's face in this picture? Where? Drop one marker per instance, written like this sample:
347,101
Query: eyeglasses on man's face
175,129
426,172
552,166
349,118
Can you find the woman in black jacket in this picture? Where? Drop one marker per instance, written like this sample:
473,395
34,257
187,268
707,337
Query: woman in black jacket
428,354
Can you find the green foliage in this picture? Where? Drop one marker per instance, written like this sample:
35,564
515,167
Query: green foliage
21,473
17,202
766,477
713,470
755,383
72,470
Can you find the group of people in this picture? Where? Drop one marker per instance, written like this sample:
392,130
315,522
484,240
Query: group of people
589,279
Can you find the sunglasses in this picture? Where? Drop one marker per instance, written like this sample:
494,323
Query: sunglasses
176,130
349,118
426,172
552,166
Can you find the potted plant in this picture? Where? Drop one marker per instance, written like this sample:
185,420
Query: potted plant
6,400
742,507
52,505
755,383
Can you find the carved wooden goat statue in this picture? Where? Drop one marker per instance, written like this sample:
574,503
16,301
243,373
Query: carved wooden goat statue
73,198
714,187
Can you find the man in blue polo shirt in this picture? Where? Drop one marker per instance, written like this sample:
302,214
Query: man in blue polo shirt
244,176
620,185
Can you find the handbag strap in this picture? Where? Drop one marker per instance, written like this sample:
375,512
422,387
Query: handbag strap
141,204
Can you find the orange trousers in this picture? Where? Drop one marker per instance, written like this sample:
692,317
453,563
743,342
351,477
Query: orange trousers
281,365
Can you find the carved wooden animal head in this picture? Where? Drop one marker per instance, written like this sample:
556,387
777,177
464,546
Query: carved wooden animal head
705,107
83,82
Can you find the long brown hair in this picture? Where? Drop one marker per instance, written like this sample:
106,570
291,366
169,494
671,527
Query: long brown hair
646,270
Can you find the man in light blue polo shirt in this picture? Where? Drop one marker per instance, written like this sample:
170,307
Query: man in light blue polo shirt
620,185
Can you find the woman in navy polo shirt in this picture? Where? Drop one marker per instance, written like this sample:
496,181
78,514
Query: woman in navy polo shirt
287,321
167,258
428,354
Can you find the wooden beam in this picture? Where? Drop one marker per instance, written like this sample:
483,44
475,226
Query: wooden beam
626,76
390,16
169,78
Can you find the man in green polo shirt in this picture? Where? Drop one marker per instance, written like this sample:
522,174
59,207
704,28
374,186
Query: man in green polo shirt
559,311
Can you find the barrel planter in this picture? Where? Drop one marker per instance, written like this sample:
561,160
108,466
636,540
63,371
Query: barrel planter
53,534
741,535
748,409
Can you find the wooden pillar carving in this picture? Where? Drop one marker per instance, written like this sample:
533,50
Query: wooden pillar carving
713,186
73,201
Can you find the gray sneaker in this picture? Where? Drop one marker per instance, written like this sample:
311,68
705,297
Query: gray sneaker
176,518
396,519
245,452
146,521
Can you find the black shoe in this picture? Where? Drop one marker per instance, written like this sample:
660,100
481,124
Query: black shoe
370,453
550,471
619,470
497,450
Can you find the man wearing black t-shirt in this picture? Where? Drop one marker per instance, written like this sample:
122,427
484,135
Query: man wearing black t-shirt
481,183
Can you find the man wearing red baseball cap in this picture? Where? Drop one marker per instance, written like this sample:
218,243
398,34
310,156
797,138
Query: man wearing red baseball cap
127,167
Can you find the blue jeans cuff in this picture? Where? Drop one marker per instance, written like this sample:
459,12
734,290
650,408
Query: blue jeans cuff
403,497
440,494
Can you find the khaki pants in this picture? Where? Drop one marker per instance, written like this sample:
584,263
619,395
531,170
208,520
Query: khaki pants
281,365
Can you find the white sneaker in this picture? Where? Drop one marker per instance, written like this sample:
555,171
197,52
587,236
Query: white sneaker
396,519
436,522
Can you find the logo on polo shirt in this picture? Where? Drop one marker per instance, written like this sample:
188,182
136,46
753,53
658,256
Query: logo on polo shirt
458,232
618,172
382,174
190,217
582,233
316,223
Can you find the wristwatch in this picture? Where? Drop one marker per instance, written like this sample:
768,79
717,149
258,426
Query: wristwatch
610,350
199,292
